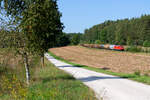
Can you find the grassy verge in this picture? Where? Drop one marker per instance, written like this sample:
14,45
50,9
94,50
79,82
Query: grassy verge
50,83
135,76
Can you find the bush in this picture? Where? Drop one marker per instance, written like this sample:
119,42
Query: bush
146,43
138,73
13,87
134,49
97,42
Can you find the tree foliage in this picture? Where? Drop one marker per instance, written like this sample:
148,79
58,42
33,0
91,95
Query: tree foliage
63,40
39,20
146,43
42,25
36,23
75,38
125,32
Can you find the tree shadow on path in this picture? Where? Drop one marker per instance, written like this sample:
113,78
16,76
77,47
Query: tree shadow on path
93,78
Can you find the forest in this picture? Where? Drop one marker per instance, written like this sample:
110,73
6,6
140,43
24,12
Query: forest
135,31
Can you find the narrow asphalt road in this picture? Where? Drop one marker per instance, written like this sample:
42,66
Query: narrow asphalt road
106,86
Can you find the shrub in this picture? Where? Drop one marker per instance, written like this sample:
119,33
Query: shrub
138,73
146,43
12,86
146,74
97,42
129,41
134,49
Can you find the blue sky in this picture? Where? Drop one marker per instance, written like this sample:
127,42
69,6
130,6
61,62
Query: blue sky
77,15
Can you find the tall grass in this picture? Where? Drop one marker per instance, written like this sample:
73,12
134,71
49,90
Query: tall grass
12,75
47,83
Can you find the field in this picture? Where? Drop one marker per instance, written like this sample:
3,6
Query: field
115,61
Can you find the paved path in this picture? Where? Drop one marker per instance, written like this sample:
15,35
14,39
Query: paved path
105,86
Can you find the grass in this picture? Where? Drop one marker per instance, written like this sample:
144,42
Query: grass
50,83
47,83
134,76
12,85
12,75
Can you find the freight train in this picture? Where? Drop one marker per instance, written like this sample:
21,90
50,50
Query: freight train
106,46
113,47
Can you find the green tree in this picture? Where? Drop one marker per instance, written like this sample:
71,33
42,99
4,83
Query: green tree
97,42
63,40
37,22
42,26
75,39
146,43
14,10
129,41
103,36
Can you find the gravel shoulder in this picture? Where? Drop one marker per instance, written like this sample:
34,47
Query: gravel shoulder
105,86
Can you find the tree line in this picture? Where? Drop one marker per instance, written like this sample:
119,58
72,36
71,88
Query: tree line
69,39
135,31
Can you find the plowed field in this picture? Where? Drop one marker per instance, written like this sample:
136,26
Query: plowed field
106,59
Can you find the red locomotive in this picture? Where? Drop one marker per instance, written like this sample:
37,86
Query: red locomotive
118,47
113,47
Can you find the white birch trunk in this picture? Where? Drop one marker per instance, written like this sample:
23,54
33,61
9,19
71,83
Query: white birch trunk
27,69
42,60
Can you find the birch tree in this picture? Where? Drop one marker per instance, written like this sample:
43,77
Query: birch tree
37,26
42,26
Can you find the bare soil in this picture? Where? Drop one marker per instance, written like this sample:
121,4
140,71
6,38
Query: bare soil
115,61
